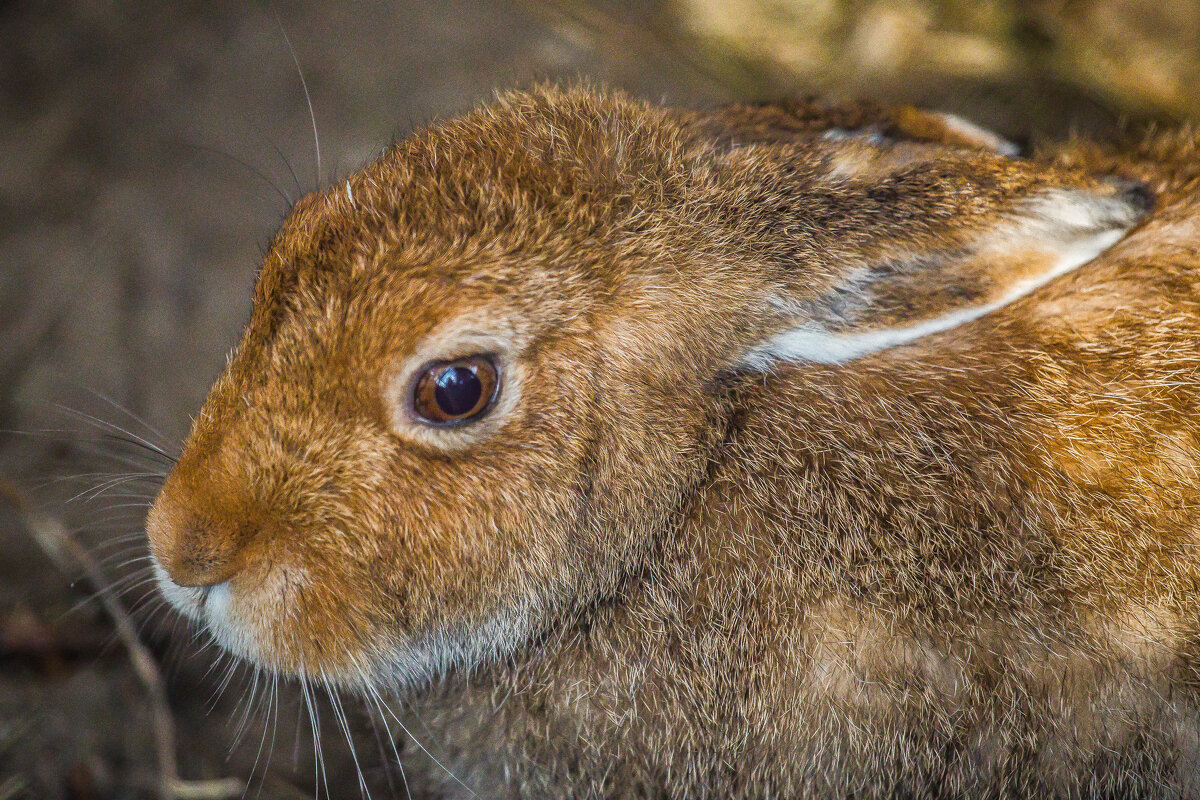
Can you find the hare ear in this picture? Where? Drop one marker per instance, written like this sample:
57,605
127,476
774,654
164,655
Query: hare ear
898,296
801,120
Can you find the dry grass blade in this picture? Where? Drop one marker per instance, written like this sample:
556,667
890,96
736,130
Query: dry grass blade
11,788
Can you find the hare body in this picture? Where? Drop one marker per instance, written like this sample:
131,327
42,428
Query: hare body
823,625
836,453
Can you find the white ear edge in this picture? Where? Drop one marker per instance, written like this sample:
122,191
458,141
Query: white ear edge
1083,231
981,136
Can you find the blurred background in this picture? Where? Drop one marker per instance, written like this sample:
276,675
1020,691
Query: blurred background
147,152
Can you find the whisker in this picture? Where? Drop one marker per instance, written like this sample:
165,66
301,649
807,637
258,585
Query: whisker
217,662
91,476
145,601
383,758
403,727
147,499
339,715
150,449
116,545
241,162
126,411
93,492
111,427
142,502
272,719
322,777
288,164
307,98
129,538
129,587
119,588
248,699
107,523
78,606
230,671
140,458
271,705
370,698
162,607
111,561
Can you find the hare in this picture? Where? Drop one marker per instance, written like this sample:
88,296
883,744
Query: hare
778,451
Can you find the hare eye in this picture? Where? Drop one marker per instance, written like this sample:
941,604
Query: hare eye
450,392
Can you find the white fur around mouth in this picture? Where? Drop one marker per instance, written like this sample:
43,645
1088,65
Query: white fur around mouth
212,607
187,600
222,622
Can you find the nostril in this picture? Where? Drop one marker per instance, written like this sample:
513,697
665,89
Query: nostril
193,549
201,567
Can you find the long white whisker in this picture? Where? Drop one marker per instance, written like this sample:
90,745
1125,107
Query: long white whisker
149,618
387,772
161,608
339,715
412,738
274,720
119,587
268,686
224,684
126,411
314,718
95,492
125,539
112,426
71,437
247,703
307,98
371,697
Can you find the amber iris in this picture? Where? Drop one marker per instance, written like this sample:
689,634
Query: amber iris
449,392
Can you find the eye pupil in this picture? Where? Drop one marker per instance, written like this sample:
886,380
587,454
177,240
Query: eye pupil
457,391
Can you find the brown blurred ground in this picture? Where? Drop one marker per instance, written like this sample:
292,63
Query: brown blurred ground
132,212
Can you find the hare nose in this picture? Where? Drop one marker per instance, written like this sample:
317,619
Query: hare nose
195,549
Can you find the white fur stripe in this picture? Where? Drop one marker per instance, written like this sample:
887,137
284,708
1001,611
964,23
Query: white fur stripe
981,136
811,342
1074,227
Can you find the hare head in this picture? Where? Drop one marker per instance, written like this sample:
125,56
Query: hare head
484,375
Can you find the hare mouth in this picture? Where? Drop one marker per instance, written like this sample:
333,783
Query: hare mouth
402,661
187,600
221,621
212,608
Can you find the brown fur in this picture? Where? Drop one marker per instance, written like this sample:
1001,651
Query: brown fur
962,567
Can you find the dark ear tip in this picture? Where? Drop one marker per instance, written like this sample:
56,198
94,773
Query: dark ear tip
1137,193
1022,144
